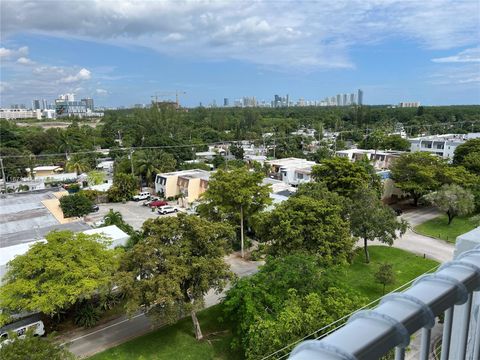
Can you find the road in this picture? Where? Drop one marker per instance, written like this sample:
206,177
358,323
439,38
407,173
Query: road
435,249
88,342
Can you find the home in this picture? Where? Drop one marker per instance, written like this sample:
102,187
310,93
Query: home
441,145
44,171
379,159
292,171
190,184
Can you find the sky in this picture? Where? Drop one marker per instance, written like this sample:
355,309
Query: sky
124,52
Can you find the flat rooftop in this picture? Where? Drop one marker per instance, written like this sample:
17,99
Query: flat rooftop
23,218
193,173
291,162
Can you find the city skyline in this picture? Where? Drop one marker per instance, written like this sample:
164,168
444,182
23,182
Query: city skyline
217,50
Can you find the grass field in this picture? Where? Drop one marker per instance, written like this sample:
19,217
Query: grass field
439,228
178,341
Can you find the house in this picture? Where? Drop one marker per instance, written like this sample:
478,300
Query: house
292,171
441,145
112,233
379,159
44,171
190,184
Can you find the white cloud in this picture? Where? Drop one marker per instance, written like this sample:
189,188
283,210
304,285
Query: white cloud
465,56
307,34
82,75
12,53
25,61
101,92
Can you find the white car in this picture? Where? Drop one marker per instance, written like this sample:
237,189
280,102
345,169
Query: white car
142,196
167,209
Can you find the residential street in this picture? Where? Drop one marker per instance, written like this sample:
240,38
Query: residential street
88,342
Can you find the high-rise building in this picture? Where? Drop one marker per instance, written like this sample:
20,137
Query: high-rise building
225,102
360,97
89,103
44,104
339,100
36,104
352,99
345,100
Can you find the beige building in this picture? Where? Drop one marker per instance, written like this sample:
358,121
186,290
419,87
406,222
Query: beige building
188,183
40,171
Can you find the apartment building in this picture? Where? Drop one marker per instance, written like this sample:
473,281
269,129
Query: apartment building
441,145
379,159
190,184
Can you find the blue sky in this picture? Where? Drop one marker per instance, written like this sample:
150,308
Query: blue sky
122,52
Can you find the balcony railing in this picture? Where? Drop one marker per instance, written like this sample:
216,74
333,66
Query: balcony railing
453,290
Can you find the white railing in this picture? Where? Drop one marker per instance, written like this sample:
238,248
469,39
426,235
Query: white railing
453,290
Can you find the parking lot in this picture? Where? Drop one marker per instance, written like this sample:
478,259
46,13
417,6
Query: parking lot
133,212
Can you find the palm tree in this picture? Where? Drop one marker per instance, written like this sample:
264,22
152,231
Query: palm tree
147,166
77,165
113,218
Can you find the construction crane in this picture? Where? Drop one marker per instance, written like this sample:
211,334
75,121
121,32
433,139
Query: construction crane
167,94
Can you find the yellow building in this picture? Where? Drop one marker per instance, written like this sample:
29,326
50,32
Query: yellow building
188,183
45,170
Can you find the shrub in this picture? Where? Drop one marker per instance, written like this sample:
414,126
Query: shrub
87,315
75,205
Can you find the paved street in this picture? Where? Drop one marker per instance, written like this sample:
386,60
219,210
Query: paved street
88,342
438,250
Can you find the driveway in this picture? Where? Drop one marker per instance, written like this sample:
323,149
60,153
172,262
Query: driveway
88,342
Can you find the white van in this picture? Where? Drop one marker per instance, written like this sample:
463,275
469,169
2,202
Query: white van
20,327
141,196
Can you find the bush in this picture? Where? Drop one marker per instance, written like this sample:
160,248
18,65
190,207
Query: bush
75,205
86,315
91,194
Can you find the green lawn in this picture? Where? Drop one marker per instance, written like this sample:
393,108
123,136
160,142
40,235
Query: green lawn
439,228
360,276
178,341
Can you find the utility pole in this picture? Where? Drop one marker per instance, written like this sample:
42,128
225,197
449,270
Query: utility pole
131,159
3,176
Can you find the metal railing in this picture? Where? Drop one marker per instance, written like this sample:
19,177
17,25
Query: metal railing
370,334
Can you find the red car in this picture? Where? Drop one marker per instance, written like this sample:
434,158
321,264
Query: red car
157,203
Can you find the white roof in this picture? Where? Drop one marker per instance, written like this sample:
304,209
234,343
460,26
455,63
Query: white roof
112,232
292,162
8,253
46,168
192,172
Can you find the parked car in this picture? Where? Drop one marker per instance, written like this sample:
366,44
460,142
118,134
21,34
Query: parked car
95,208
167,209
158,203
141,196
152,198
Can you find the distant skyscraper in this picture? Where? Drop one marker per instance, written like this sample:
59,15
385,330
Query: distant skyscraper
36,104
360,97
345,100
339,100
352,98
225,102
44,104
89,103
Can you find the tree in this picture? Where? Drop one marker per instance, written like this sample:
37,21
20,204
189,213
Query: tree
75,205
395,142
150,163
385,275
472,162
463,150
416,173
237,151
370,220
53,276
116,218
78,165
454,200
179,261
287,299
123,188
302,223
341,176
33,348
237,192
95,177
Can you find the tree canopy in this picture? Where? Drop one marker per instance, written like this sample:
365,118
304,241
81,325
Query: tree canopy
302,223
238,193
54,275
75,205
453,200
179,260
